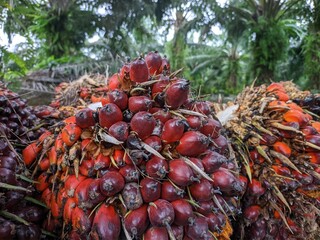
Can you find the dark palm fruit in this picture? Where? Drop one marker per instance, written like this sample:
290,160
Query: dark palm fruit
161,213
170,192
172,130
31,214
192,144
216,221
111,183
252,212
199,229
139,103
137,221
109,114
258,229
303,178
156,233
154,142
8,162
132,196
178,231
119,130
85,118
220,144
143,124
177,93
8,176
118,97
139,71
213,161
201,191
94,192
81,193
130,173
30,232
106,223
81,220
72,183
150,190
211,128
180,173
7,229
205,207
154,62
165,65
13,198
226,182
127,115
255,188
183,212
157,167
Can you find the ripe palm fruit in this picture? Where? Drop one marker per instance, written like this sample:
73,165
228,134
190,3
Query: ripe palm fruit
21,214
272,137
142,163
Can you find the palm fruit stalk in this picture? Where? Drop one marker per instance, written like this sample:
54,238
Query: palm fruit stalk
152,162
279,151
21,213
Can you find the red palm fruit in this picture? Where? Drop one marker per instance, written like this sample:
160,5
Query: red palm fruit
172,130
316,125
156,233
177,93
157,167
226,182
160,114
62,197
282,148
194,122
42,181
252,212
130,173
314,139
255,188
180,173
81,220
170,192
211,128
136,221
256,157
43,136
53,159
154,62
118,156
68,209
139,71
119,130
125,72
213,161
44,164
55,209
132,196
8,176
70,134
201,191
192,144
296,116
46,197
84,92
114,82
202,107
109,114
118,97
150,190
160,86
216,221
139,103
161,213
314,157
85,118
95,195
30,153
165,65
281,95
87,169
183,212
70,120
309,130
81,194
281,170
154,142
199,229
294,106
111,183
303,178
143,124
220,144
72,183
59,145
275,86
101,162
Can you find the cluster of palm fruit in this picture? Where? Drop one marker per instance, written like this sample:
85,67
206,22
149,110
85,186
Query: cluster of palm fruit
150,162
21,215
278,146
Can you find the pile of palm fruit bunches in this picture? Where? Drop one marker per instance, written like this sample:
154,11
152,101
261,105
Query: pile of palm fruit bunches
137,156
22,214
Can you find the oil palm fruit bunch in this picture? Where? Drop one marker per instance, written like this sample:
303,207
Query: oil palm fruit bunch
150,163
278,147
21,214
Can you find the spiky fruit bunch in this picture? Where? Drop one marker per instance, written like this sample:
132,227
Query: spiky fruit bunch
279,151
20,217
150,163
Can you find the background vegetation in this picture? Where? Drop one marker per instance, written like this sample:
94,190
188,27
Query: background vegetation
222,47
